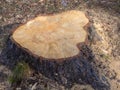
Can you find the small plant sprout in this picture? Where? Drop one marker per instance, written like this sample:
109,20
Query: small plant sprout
21,71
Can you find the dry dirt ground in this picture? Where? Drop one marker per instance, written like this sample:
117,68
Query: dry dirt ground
104,16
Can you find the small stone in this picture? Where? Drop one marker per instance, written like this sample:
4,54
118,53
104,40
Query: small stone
18,16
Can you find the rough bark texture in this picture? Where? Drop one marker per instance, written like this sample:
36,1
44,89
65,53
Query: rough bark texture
54,36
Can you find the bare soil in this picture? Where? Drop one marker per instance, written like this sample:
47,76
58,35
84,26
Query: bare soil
104,16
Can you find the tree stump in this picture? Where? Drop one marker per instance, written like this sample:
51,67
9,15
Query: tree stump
56,42
54,37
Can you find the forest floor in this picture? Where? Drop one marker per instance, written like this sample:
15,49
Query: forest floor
104,15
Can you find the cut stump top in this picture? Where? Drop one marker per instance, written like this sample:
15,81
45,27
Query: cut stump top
53,36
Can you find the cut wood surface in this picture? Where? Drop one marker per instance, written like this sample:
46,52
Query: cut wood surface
53,36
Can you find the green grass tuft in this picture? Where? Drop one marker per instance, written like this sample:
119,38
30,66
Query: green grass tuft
20,72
